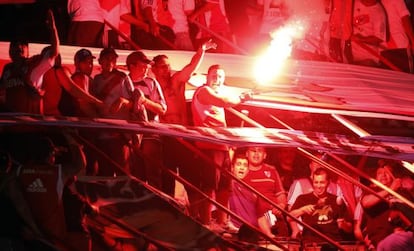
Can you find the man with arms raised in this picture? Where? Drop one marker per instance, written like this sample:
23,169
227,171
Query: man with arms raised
173,84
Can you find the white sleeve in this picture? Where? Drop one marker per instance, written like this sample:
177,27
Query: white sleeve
36,76
127,88
340,194
159,95
294,191
358,212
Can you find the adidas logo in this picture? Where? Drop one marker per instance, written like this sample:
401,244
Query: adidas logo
36,187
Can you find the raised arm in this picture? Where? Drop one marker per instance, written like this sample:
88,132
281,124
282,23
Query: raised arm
54,37
185,74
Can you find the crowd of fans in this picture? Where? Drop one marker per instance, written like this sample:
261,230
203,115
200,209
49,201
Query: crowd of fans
373,33
339,209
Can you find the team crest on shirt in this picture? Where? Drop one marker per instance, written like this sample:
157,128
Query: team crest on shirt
267,174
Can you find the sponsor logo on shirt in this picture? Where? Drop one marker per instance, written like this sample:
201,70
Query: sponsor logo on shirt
36,187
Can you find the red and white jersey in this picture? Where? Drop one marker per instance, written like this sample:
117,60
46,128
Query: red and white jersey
112,11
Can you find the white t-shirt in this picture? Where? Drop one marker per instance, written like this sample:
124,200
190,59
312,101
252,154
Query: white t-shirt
396,9
36,75
273,15
85,10
368,21
178,9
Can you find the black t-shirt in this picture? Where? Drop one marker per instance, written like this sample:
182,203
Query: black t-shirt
324,218
11,224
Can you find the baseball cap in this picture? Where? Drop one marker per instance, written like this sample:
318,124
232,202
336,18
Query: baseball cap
107,51
83,54
136,56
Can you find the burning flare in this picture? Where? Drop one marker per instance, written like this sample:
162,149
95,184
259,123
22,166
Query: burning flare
270,63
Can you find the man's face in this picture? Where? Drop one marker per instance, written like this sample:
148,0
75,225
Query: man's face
85,66
384,175
256,155
140,68
320,184
162,68
215,79
19,52
108,62
240,168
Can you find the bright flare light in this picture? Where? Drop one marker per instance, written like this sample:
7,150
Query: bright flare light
270,63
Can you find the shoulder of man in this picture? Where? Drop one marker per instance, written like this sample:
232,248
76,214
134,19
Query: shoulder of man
305,197
150,79
119,73
203,88
269,167
78,75
34,61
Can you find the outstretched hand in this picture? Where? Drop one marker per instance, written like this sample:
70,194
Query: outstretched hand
308,209
50,21
246,96
208,45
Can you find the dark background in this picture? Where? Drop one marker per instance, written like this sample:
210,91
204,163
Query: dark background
28,21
